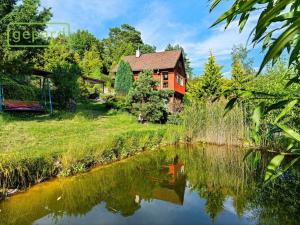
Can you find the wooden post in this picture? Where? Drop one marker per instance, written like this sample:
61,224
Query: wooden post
49,95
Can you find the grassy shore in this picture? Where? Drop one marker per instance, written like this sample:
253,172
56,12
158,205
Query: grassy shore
35,148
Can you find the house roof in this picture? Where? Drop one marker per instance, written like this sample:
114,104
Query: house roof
151,61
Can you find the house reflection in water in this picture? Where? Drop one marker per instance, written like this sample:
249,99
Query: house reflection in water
170,183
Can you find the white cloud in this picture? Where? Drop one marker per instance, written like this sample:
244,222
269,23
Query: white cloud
219,41
86,14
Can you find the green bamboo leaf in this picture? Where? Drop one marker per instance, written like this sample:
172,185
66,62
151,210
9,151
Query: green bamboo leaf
282,171
246,94
231,11
279,45
267,39
295,151
287,109
272,166
248,153
214,4
256,117
257,158
295,53
237,7
284,17
277,105
289,132
267,15
229,106
243,20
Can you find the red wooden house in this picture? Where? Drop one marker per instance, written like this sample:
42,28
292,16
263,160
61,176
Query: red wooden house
168,68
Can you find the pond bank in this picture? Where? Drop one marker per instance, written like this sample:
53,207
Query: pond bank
24,172
38,148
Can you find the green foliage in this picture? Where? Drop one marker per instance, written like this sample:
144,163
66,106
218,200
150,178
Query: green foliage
175,119
187,62
62,62
146,100
122,41
124,78
275,40
18,62
271,12
145,48
82,41
91,63
242,70
209,86
13,89
91,66
212,76
194,89
116,102
240,55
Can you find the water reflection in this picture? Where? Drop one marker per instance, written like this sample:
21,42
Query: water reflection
211,185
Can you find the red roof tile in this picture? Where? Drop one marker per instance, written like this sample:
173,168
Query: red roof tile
151,61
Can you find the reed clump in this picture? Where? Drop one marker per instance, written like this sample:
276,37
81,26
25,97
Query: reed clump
205,122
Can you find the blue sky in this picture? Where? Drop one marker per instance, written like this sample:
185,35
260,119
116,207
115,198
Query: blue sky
183,22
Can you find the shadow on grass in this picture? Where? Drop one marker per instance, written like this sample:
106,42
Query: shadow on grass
88,110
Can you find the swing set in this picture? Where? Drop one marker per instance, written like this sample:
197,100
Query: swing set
41,106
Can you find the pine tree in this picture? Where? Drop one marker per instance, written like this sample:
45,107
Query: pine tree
211,78
238,73
145,100
124,78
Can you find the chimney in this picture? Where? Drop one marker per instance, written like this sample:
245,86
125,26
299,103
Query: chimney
138,53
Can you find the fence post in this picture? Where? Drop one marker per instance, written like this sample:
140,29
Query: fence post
49,95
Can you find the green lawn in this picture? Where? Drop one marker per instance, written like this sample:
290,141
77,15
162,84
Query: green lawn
60,132
34,144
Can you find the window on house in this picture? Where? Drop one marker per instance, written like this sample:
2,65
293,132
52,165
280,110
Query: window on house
179,79
165,85
165,75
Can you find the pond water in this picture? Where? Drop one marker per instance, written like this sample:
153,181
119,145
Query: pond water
178,185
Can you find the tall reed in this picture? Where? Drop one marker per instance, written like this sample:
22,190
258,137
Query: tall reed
205,122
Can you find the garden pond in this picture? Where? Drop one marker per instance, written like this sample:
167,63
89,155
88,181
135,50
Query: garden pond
175,185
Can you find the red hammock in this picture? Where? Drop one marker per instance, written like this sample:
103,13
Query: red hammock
15,105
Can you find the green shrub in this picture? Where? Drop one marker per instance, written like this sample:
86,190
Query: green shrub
146,101
175,119
116,102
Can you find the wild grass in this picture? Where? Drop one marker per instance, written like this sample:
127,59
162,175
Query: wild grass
35,148
206,122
